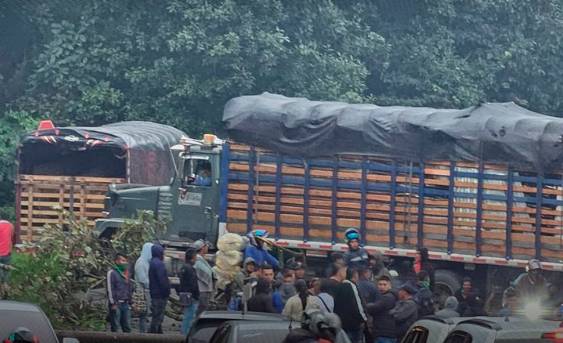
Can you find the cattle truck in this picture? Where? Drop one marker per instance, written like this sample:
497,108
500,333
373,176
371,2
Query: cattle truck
71,168
481,187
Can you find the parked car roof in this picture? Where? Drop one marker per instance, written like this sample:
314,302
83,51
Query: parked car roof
253,331
207,323
18,314
505,330
431,329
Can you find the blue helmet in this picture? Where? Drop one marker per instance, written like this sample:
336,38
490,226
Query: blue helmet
351,234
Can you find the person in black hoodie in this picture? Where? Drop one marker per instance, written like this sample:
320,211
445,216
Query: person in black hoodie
348,306
261,301
159,288
470,300
188,284
383,326
424,297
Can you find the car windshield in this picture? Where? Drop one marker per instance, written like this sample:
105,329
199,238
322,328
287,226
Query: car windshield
36,322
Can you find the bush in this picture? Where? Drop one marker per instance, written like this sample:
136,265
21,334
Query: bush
68,265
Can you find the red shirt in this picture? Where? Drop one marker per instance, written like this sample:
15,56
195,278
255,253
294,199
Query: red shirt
6,229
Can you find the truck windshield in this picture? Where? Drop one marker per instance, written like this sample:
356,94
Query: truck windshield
196,170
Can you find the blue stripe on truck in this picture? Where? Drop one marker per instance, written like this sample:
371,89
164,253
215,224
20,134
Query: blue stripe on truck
479,214
251,163
224,180
509,203
306,187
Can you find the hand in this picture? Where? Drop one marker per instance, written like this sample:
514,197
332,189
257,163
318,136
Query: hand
133,308
114,307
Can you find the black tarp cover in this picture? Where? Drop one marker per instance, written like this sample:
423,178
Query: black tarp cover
150,158
491,132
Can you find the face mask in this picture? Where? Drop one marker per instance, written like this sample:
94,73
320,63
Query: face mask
120,268
426,284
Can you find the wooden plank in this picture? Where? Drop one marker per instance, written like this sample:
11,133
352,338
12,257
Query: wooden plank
65,204
84,179
29,215
41,212
40,220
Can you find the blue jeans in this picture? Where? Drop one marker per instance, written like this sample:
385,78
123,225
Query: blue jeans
4,273
385,340
189,315
121,316
356,336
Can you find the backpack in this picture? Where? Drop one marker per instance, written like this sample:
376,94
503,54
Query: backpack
425,301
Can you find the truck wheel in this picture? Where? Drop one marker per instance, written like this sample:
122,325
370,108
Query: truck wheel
445,284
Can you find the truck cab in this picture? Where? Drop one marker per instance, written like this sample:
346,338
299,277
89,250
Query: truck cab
190,203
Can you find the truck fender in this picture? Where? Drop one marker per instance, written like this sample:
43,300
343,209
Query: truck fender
105,228
446,283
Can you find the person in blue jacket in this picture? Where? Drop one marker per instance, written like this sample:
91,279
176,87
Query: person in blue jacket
159,288
257,251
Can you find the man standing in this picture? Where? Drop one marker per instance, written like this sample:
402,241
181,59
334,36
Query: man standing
369,293
277,301
189,284
348,306
337,275
204,276
355,257
368,289
142,276
406,311
120,292
383,324
6,231
377,267
424,297
262,300
159,288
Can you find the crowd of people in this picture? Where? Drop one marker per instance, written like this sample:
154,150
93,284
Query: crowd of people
357,290
196,289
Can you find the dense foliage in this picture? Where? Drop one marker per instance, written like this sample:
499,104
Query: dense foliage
66,272
178,61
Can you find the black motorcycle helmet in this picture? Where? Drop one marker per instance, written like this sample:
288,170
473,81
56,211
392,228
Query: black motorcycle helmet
22,335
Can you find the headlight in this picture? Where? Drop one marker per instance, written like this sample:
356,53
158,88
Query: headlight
533,310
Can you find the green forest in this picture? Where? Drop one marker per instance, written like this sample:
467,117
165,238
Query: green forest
177,62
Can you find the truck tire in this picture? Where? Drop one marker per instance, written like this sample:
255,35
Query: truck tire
446,283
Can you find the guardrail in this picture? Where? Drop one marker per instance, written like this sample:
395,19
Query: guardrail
107,337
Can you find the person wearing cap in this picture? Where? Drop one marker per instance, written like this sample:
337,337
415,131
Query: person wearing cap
383,323
356,256
406,311
205,276
257,251
297,264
